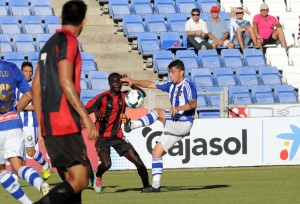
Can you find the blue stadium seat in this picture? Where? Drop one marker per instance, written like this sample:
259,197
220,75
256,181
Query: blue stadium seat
17,58
262,94
246,76
226,17
51,23
5,43
201,99
176,23
19,8
155,23
205,16
170,40
214,100
83,84
285,94
239,95
208,59
88,62
87,94
41,8
147,43
164,7
101,82
205,6
161,60
32,24
231,58
185,6
118,8
3,8
41,39
269,75
24,43
132,25
202,78
141,7
33,57
9,25
224,77
189,59
254,57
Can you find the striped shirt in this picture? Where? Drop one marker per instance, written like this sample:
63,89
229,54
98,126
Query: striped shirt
180,95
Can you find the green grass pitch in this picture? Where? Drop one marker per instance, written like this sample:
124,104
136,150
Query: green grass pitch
279,184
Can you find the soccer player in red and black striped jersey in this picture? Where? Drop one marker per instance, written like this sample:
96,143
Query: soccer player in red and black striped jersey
56,88
109,108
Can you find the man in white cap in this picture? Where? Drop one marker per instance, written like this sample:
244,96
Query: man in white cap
267,28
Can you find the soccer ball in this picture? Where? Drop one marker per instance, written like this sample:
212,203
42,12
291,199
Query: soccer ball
134,98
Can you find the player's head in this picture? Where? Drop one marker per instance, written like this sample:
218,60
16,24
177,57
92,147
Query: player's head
176,71
239,15
73,13
114,82
27,70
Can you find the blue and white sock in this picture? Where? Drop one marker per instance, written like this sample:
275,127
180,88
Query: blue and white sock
31,176
38,157
146,120
157,169
13,187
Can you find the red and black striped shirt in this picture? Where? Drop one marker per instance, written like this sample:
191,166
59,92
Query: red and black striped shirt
111,107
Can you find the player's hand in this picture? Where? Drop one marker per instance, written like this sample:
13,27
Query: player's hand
174,111
98,115
126,80
124,83
247,12
93,133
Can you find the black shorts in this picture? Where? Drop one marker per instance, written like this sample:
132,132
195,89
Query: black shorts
121,145
270,40
67,150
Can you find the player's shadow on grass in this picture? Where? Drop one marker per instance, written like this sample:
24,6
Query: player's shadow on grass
178,188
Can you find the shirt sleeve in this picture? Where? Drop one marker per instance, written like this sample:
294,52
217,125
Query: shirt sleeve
164,86
187,26
224,26
256,19
67,47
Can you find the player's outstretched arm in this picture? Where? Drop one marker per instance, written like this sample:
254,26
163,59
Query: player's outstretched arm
141,83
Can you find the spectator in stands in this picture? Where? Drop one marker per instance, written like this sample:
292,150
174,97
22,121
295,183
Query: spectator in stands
267,28
196,31
241,31
217,30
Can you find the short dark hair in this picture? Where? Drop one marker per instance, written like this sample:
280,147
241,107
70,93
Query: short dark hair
178,64
24,64
114,74
73,12
195,10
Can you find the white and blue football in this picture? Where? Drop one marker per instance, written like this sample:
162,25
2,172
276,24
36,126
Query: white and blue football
134,98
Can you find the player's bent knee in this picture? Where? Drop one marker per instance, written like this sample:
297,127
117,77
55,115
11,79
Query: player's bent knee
30,152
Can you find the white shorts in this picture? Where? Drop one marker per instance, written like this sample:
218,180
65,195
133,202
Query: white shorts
173,132
11,144
30,136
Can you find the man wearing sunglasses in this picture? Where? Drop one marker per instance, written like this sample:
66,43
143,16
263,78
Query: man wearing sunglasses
241,31
196,31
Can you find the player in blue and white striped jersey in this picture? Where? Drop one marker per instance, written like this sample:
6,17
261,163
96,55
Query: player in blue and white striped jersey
177,120
30,125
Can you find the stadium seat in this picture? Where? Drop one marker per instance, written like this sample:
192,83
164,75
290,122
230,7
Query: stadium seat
9,25
5,43
41,8
3,8
208,59
141,7
269,76
147,43
294,56
87,94
290,22
101,83
170,40
231,58
226,5
291,76
277,57
32,24
24,43
224,77
201,98
161,60
285,94
51,23
189,59
254,57
176,23
185,6
83,84
205,5
41,39
205,16
88,62
202,78
246,76
155,23
19,8
252,5
262,94
132,25
214,99
118,8
239,95
293,5
164,7
226,17
276,7
14,57
33,57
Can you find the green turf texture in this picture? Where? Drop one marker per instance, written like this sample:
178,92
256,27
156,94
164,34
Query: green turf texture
279,184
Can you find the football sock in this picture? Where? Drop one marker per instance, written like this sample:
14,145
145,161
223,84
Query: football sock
58,195
38,157
13,187
146,120
31,176
157,168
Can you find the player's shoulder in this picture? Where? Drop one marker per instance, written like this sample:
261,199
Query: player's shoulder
9,66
